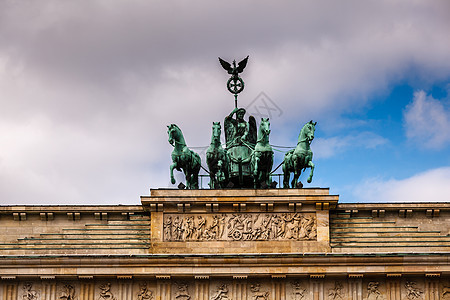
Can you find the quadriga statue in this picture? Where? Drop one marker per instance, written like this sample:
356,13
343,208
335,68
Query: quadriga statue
183,158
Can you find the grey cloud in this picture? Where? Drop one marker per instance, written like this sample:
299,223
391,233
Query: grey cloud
107,77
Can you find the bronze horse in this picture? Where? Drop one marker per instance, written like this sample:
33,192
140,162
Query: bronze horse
300,158
262,156
217,160
183,158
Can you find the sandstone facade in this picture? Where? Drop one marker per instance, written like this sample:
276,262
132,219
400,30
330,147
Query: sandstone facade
299,244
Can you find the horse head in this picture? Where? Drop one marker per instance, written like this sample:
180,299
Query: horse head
307,132
264,127
170,132
216,132
175,135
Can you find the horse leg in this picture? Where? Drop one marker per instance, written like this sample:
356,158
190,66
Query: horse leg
311,165
187,175
268,170
256,171
212,180
172,178
286,175
194,179
193,172
295,179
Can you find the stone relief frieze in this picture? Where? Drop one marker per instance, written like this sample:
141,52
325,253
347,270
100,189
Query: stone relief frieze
144,292
298,291
67,292
240,227
373,292
182,293
105,292
257,294
29,293
412,291
337,292
221,293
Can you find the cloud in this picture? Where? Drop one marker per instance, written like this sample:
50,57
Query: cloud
329,147
429,186
427,121
87,88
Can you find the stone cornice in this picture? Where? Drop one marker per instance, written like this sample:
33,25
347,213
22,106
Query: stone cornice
226,265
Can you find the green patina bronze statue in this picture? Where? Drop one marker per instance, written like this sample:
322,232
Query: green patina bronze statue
240,137
300,158
246,161
262,156
217,160
238,131
183,158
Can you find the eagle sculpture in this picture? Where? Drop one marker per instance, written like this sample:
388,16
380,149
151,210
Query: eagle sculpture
234,70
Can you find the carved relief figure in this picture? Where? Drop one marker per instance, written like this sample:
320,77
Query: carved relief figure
257,294
188,228
200,227
182,293
445,292
412,292
28,293
235,227
168,227
240,227
214,228
221,225
105,292
144,292
221,294
177,230
67,292
298,291
336,292
372,291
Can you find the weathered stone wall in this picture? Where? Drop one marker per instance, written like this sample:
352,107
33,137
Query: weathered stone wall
29,230
227,244
238,288
390,227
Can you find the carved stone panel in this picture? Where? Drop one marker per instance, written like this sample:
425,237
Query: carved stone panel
29,293
144,292
105,292
221,293
259,293
67,292
298,290
373,291
182,291
240,227
336,292
413,292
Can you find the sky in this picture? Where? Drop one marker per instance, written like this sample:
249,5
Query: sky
87,89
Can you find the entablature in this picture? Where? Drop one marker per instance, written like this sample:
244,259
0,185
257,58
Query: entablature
242,200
